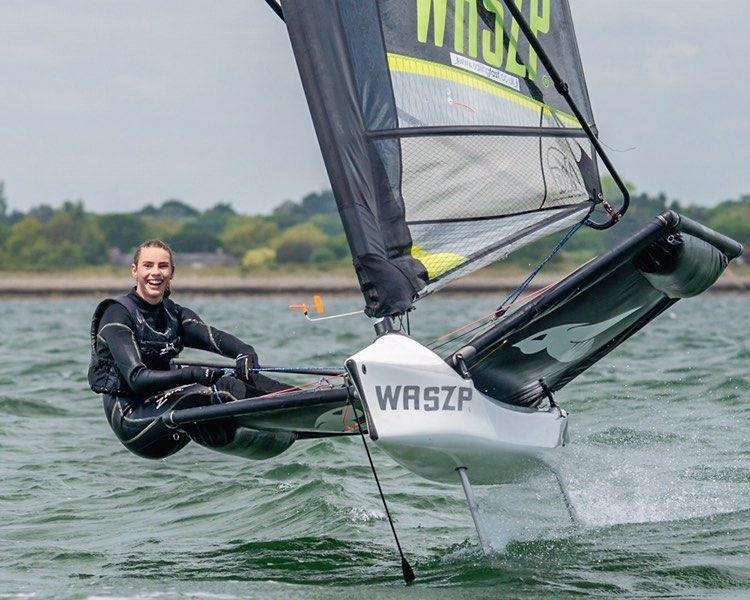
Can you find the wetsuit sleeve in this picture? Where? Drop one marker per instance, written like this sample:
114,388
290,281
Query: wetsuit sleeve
116,331
196,334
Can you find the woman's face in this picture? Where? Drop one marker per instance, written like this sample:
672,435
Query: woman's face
152,274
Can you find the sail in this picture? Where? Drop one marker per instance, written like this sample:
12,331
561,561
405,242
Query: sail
446,143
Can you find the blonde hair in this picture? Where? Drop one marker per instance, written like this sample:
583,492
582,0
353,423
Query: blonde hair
155,244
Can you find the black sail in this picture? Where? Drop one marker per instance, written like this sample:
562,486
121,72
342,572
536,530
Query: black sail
445,140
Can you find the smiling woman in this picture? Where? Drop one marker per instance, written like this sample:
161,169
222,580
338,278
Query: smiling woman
153,269
133,341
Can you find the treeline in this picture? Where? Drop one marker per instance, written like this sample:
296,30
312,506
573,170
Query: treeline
45,238
730,217
296,233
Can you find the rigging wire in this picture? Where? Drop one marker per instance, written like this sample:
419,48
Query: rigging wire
403,322
513,296
316,384
459,333
620,150
470,328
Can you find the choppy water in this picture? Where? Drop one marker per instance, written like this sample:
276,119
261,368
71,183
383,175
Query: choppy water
658,470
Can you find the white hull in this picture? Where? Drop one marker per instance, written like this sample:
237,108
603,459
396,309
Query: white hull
432,421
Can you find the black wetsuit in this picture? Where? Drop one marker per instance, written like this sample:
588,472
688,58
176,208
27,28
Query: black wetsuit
132,345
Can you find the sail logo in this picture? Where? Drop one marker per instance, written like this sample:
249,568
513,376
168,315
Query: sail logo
469,38
428,398
565,174
567,343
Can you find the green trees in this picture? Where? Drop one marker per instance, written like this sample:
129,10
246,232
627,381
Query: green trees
303,232
171,209
299,244
26,246
732,218
122,230
45,238
194,237
290,213
4,225
3,203
67,241
76,236
246,233
308,232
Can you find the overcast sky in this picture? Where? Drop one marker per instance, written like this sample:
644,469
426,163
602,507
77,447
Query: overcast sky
127,102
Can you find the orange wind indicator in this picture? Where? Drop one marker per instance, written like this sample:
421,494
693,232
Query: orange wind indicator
305,308
317,306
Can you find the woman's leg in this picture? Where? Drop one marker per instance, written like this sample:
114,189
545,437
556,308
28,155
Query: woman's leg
138,424
246,441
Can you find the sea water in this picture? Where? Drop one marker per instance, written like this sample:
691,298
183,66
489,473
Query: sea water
658,470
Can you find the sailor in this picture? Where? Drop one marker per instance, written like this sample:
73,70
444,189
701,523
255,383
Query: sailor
133,340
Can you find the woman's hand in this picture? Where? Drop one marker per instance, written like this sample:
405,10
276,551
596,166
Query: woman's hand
206,375
244,365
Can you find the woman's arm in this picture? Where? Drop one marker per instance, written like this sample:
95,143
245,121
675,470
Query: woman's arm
117,333
197,334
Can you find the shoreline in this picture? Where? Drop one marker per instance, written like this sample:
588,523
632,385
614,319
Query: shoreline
70,286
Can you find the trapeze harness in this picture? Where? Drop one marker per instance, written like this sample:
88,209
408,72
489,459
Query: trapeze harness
132,344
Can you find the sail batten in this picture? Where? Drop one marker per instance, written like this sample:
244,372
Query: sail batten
450,130
505,239
433,70
493,217
446,143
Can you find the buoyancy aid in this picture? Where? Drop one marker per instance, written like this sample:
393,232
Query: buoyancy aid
156,348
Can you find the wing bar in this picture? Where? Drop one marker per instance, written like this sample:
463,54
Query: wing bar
255,405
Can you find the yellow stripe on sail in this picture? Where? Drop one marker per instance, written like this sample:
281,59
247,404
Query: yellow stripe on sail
437,263
406,64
